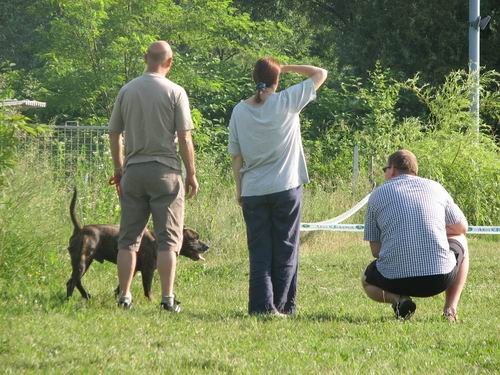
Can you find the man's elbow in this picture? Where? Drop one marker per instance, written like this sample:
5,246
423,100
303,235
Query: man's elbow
457,228
319,77
375,248
115,139
184,138
324,73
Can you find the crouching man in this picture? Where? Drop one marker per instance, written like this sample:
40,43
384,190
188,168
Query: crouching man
417,235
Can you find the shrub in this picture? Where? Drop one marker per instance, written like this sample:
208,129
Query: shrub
468,166
12,124
443,135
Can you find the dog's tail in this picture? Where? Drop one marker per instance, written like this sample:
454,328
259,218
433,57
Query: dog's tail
76,224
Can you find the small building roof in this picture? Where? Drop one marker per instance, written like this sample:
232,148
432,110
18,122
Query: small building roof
22,103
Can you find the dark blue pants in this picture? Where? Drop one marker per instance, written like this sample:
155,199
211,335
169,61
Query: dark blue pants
273,228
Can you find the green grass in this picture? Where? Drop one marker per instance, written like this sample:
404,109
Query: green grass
337,329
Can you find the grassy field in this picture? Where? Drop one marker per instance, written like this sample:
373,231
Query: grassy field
337,329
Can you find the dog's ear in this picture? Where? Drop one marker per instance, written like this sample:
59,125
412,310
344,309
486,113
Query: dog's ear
190,233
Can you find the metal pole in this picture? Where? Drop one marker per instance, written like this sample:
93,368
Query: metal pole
355,168
474,19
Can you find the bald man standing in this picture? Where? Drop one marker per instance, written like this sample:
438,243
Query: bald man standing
152,110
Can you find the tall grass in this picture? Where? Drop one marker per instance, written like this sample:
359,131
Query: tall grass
337,330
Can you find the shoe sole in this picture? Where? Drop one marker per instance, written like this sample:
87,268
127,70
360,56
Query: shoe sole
174,309
409,307
125,306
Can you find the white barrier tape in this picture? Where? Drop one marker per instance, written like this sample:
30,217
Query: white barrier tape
483,230
348,213
307,227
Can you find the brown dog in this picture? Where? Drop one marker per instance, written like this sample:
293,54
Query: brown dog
100,243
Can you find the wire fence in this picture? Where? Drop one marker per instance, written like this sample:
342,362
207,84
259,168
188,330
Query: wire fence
71,149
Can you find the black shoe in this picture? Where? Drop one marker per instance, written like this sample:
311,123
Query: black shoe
404,309
172,307
125,303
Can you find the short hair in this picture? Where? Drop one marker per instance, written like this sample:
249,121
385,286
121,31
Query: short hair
267,70
404,161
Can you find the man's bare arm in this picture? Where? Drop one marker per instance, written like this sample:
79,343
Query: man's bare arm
186,149
457,228
116,147
375,248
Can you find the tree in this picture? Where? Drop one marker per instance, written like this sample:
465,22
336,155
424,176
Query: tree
419,36
21,31
93,47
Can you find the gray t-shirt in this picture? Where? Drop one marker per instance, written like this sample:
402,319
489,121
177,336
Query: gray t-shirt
150,109
268,138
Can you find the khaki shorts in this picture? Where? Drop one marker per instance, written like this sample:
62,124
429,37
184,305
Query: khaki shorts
151,188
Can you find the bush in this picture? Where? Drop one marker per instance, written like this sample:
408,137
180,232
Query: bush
12,125
468,166
443,136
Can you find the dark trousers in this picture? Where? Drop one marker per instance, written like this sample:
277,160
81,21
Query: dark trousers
273,228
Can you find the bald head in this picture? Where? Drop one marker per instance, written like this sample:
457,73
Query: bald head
159,56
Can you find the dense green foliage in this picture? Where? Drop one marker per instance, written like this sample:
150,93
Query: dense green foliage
429,37
396,76
444,139
12,126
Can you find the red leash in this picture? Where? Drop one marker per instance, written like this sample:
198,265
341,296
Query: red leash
115,180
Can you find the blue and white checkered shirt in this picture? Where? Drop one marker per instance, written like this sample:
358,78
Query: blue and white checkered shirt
408,216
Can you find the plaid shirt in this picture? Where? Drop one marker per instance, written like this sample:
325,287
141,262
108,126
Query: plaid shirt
408,216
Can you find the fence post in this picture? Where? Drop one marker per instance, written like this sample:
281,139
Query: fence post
355,167
371,178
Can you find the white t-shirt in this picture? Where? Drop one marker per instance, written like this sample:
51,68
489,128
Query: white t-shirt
268,138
